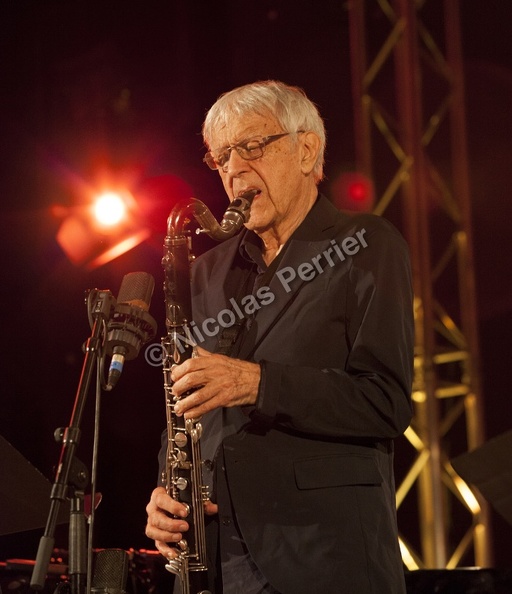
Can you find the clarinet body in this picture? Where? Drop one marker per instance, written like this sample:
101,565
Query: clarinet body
182,476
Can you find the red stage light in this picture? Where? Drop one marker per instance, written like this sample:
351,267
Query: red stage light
358,191
353,191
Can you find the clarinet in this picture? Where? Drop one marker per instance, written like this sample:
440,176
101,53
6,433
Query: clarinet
182,476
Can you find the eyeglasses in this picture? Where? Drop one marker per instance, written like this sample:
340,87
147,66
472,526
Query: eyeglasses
248,149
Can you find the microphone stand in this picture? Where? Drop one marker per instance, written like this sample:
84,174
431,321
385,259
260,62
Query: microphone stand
71,475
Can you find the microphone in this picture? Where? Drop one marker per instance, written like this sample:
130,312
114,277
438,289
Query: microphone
131,324
110,571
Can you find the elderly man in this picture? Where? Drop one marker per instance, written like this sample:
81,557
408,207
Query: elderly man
300,412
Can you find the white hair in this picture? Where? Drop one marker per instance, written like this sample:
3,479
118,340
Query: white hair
288,105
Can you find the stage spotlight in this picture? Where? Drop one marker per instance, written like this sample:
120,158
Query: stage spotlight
353,191
109,209
111,225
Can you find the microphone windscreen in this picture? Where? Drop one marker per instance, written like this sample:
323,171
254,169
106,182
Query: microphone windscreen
137,289
110,572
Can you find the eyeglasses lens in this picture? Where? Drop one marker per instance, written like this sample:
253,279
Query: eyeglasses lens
248,150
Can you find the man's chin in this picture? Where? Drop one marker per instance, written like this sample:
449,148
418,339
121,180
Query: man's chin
257,226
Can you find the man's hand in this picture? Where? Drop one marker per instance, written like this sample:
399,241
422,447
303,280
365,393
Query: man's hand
216,381
164,529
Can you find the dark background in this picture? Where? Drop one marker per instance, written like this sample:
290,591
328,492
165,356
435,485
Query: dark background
90,89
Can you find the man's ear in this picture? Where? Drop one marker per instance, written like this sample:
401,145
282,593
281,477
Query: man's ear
310,147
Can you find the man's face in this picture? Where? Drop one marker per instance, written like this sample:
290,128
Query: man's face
278,175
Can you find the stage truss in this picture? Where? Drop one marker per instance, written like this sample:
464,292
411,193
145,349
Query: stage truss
410,135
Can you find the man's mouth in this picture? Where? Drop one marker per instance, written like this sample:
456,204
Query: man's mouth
249,192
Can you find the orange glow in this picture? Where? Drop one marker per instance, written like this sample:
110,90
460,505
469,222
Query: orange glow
120,248
109,226
114,213
109,209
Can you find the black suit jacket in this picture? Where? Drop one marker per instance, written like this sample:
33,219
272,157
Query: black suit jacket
311,471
